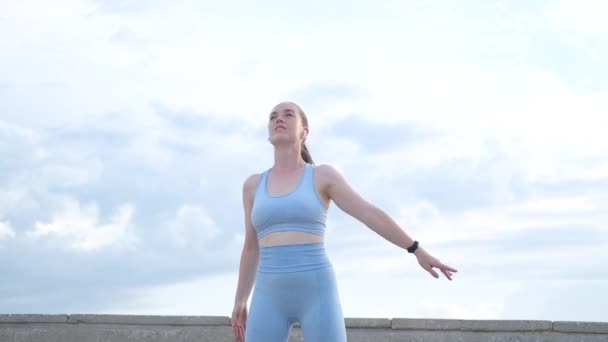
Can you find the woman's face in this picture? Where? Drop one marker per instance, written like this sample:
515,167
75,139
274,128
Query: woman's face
284,124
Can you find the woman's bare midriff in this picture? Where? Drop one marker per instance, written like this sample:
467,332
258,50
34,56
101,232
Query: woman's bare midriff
288,238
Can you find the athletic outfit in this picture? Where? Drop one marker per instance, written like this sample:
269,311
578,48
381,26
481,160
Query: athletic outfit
295,282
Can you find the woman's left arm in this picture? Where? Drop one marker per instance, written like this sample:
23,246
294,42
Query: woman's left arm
349,201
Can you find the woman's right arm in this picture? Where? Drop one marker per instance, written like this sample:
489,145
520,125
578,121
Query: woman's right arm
250,254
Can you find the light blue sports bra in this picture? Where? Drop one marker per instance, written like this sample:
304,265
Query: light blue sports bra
299,210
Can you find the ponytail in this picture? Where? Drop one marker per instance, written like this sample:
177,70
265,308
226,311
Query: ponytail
306,154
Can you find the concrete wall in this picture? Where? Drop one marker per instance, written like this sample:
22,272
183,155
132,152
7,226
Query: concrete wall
114,328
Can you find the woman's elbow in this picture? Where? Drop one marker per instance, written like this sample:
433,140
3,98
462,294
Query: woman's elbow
251,242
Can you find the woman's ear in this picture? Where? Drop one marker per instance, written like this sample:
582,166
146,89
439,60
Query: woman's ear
305,133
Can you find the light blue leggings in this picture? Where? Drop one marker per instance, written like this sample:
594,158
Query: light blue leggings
295,283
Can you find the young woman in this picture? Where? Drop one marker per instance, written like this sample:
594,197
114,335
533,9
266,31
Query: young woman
285,212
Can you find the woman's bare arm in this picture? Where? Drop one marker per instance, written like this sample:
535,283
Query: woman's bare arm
349,201
250,254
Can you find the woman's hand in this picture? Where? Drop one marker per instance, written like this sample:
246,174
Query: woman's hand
427,262
239,321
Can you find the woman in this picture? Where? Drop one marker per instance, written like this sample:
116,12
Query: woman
285,212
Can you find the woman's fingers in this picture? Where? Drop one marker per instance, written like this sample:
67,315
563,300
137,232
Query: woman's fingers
243,321
241,334
444,266
432,271
447,270
237,329
447,274
450,268
428,262
239,322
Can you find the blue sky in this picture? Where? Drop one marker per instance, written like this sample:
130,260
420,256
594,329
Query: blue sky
128,127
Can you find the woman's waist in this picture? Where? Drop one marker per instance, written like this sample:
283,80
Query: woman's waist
289,238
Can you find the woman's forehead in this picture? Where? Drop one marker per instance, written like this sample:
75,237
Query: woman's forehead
284,106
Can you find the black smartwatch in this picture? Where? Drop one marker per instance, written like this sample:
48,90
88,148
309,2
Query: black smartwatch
413,247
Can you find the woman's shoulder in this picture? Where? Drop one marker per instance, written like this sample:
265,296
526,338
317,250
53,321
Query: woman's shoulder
326,173
326,170
251,182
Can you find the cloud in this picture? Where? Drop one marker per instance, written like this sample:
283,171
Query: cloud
122,6
80,227
548,299
192,225
6,232
481,131
494,222
374,137
207,295
588,17
545,230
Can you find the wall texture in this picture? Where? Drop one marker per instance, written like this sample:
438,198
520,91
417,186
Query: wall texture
115,328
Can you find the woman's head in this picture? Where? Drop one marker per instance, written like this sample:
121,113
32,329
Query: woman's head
288,124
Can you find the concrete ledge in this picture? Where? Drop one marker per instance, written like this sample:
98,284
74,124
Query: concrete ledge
149,320
470,325
581,327
363,323
147,328
33,318
368,323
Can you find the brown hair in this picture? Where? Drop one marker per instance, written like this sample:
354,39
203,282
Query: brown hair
304,153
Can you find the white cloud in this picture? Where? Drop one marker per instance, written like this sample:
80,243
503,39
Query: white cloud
72,176
475,239
490,111
6,232
528,121
588,16
15,131
192,225
205,296
80,227
431,308
535,213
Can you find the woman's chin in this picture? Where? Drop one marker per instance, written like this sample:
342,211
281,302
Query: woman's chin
282,140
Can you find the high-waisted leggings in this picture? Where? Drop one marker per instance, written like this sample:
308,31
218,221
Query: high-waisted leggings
295,283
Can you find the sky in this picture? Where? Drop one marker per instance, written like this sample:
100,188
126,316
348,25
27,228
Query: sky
127,129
